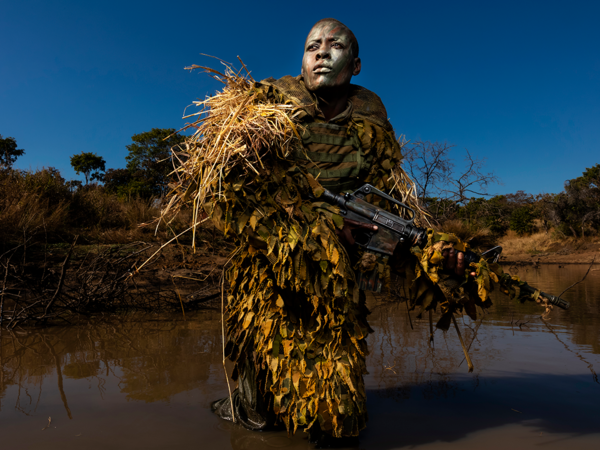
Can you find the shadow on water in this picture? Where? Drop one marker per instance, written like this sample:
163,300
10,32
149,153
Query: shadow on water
148,383
449,412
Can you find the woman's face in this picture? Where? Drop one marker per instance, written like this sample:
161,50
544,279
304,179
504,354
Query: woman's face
328,60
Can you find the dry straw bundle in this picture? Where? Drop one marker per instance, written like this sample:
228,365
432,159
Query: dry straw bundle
237,126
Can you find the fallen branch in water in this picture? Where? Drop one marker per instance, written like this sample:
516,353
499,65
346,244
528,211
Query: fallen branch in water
81,281
589,364
580,281
61,281
475,334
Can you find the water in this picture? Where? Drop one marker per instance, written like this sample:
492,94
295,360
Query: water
148,383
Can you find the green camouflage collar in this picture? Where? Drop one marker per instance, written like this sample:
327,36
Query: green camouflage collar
365,104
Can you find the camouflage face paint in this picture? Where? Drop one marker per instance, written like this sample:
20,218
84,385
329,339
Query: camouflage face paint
328,60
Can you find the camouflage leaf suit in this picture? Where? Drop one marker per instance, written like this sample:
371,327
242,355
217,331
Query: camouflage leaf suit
297,323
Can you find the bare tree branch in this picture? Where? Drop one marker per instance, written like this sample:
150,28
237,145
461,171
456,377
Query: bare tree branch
439,181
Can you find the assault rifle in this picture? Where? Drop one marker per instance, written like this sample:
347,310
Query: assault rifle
393,230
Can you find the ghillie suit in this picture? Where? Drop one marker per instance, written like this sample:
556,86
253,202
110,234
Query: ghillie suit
297,322
431,286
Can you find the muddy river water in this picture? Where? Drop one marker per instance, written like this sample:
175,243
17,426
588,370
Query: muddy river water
148,383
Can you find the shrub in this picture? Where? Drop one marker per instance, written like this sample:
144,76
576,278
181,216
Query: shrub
522,220
42,202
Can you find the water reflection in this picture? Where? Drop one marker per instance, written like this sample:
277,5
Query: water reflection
150,380
152,360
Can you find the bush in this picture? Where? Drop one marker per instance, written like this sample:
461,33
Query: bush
522,220
32,202
577,210
43,203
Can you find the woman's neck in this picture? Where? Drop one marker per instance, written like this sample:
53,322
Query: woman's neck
332,101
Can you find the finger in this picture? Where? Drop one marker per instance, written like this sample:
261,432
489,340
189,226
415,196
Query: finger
445,256
353,223
357,224
473,274
460,264
363,225
369,226
451,259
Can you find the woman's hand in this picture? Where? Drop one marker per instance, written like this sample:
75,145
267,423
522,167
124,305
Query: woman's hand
345,234
455,261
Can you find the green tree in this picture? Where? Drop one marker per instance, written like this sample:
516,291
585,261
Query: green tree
89,164
9,151
149,161
522,220
117,181
577,209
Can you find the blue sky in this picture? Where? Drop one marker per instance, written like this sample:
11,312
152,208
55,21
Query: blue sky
516,82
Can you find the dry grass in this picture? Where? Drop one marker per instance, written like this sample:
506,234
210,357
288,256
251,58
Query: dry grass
233,128
39,204
29,214
513,244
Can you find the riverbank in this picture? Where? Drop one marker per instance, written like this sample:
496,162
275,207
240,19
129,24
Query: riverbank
547,248
60,283
48,283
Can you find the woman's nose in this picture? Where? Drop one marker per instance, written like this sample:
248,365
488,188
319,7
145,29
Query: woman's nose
323,53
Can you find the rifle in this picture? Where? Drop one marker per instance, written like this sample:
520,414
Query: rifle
393,230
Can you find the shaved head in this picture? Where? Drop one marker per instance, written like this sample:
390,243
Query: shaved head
341,25
330,56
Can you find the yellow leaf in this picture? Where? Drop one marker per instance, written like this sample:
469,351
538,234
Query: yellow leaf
253,222
248,319
288,345
267,327
335,256
323,265
280,301
436,258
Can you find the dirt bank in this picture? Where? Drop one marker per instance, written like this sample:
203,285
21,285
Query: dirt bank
46,283
547,248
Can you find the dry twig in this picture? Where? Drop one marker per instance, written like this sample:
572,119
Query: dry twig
580,281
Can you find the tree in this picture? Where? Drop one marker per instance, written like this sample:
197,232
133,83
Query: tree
578,207
522,220
9,151
89,164
149,160
429,165
118,181
441,187
471,181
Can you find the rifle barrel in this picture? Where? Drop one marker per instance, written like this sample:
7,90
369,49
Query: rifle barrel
553,299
